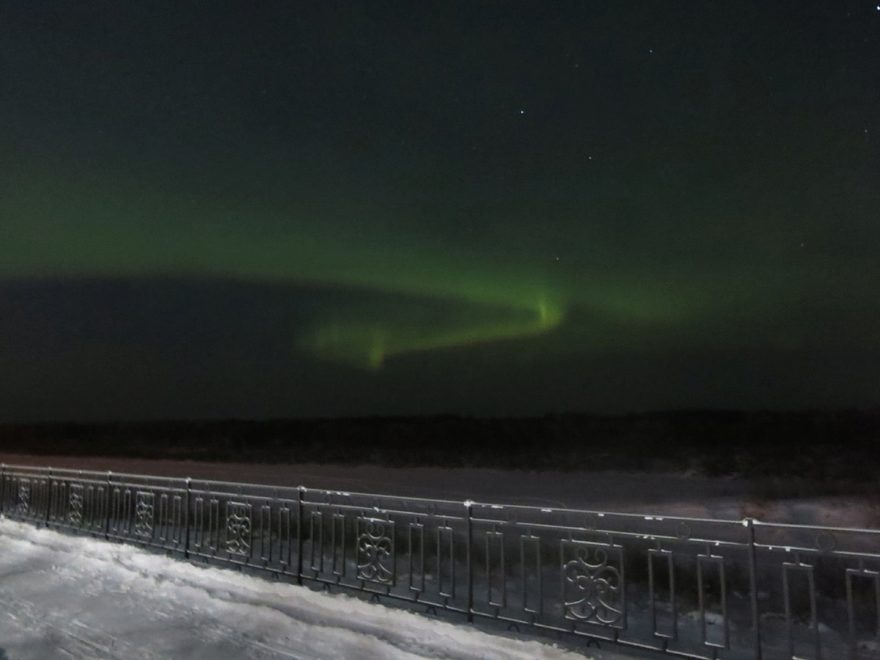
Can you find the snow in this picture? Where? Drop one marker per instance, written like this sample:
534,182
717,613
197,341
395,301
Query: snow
657,494
75,597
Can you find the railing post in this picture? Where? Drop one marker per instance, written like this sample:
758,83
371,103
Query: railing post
299,534
2,489
753,587
108,500
188,505
470,564
48,495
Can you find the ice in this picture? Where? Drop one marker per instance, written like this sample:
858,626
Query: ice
68,596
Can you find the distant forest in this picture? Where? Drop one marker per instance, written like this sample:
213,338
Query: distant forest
824,446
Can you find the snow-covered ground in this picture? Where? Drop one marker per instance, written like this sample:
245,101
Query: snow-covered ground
75,597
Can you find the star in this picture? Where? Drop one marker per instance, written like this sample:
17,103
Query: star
522,111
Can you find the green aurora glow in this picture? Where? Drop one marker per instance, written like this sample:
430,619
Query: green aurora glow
148,235
541,187
94,226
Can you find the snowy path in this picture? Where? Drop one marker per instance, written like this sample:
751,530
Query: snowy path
74,597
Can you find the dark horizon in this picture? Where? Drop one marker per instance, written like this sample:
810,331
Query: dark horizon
711,415
331,210
811,451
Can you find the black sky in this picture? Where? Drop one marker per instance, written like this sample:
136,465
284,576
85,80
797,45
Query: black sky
298,209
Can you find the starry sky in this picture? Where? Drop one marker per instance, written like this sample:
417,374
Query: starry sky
355,208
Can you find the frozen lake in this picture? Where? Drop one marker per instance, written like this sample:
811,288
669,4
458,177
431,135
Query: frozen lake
638,492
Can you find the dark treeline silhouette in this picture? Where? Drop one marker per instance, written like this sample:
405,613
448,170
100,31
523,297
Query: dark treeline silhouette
828,445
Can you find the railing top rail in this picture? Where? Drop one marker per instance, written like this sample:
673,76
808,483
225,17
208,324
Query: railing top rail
198,482
660,517
89,473
471,505
814,528
351,493
324,491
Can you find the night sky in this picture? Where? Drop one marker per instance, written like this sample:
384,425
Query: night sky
344,208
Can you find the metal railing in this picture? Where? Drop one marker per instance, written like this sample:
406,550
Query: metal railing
689,587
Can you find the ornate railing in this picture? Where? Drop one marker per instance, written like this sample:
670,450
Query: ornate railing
691,587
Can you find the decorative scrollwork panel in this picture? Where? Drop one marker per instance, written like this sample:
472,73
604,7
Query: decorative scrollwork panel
23,505
593,583
144,509
75,504
375,551
238,529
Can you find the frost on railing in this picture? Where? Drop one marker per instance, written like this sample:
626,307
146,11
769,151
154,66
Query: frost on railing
690,587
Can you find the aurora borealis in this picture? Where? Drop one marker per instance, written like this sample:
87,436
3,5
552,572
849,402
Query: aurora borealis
355,208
